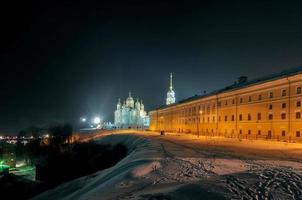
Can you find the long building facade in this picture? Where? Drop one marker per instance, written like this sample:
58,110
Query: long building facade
265,108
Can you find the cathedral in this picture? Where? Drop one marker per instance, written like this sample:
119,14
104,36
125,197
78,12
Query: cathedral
130,114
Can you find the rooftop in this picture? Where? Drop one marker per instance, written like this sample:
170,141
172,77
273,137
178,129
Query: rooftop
239,85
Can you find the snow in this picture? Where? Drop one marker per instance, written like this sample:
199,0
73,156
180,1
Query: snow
190,167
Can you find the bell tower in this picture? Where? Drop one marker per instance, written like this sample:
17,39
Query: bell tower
170,94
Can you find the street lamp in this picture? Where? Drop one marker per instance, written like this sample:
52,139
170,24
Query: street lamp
96,120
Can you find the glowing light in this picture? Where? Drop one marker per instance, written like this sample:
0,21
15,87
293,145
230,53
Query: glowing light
3,167
83,119
96,120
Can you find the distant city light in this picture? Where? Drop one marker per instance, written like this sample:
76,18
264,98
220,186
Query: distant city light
83,119
97,120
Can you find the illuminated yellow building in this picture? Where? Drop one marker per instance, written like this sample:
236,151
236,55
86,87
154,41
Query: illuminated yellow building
267,108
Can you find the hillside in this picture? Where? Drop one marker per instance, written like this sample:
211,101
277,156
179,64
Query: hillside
186,167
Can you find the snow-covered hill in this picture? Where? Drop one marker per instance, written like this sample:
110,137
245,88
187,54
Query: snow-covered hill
175,167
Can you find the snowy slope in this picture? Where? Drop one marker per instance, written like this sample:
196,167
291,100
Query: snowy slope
165,167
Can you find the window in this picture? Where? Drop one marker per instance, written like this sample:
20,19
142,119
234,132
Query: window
283,93
283,105
283,133
250,98
208,119
259,116
298,103
249,131
226,102
298,134
208,109
298,115
259,132
240,131
249,117
213,119
233,101
271,95
283,116
219,118
269,134
226,118
298,91
241,100
270,116
233,117
240,117
270,106
259,97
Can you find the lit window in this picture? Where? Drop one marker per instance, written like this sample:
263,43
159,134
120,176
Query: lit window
298,90
283,93
298,115
283,116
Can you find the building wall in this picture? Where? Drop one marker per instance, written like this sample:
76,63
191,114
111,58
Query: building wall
267,110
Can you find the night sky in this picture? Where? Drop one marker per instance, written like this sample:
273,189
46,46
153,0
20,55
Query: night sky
61,61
